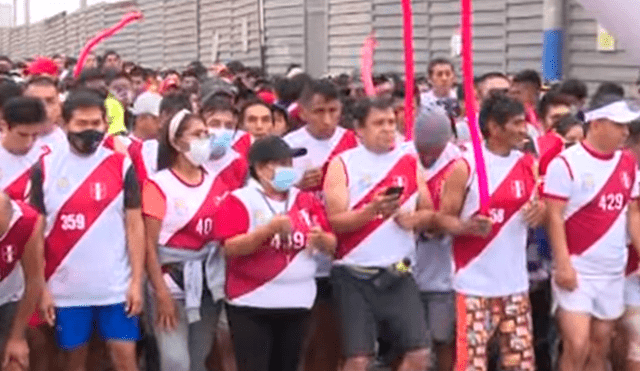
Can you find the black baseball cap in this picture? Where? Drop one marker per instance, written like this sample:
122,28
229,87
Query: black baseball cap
272,148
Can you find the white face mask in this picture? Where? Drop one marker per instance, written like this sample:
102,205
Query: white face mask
199,151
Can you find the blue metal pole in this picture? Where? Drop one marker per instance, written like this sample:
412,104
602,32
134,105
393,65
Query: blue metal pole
553,39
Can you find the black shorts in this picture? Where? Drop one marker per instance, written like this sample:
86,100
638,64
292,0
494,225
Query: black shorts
7,313
325,291
364,306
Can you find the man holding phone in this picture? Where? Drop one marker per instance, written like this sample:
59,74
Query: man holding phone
324,139
376,199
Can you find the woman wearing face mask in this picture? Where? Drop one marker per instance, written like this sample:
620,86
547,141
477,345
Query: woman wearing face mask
270,232
178,209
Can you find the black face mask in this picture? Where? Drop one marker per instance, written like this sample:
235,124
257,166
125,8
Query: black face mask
85,142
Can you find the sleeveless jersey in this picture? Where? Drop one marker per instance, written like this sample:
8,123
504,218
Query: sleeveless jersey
381,242
598,189
15,170
433,268
188,221
496,265
319,155
280,274
12,246
134,149
242,142
86,259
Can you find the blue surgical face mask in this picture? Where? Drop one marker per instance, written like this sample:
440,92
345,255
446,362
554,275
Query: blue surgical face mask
286,177
220,142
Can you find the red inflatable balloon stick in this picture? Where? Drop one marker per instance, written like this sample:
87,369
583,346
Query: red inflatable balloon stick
409,67
103,35
366,64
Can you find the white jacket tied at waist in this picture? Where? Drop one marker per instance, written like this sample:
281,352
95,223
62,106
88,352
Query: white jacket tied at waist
210,258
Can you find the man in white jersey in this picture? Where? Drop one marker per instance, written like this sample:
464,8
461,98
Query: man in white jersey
324,139
45,89
376,198
441,77
23,121
491,279
434,261
591,192
20,251
94,259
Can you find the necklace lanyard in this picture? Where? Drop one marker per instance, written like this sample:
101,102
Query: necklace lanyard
273,211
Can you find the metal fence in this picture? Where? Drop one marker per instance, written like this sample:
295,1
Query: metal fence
323,35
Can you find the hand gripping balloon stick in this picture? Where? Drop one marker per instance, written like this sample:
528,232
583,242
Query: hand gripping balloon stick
103,35
470,104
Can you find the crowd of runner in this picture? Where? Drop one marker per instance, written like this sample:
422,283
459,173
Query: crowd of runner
223,219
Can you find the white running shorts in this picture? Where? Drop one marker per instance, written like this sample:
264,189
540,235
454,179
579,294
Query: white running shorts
602,297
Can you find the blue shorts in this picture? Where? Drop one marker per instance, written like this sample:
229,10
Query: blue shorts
75,325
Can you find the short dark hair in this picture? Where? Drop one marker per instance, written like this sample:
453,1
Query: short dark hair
89,74
41,81
8,90
634,131
434,62
111,74
138,71
609,88
251,103
23,111
552,98
216,103
6,59
566,122
528,77
602,100
364,107
81,98
289,90
498,108
109,53
235,67
575,88
324,87
174,102
489,75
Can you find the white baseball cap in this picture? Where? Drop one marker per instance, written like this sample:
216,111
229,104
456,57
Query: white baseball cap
147,103
621,112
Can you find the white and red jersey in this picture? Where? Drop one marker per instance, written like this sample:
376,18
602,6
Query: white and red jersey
54,140
598,189
149,153
319,155
433,269
241,142
15,170
320,152
381,242
188,220
12,246
280,274
134,149
86,259
496,265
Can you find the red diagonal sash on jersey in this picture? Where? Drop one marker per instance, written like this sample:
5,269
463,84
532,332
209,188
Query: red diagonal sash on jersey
59,242
247,273
242,144
17,189
135,153
591,222
405,168
506,197
346,142
12,245
434,184
197,232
